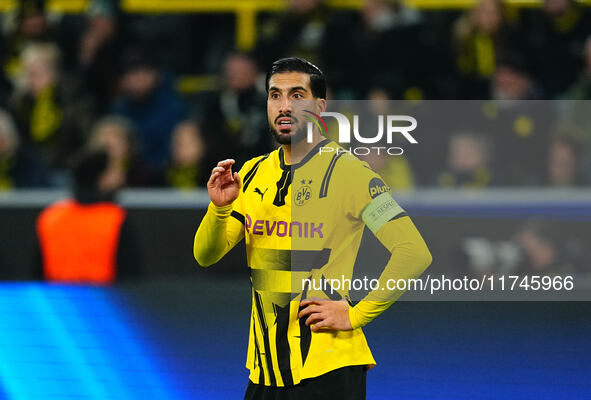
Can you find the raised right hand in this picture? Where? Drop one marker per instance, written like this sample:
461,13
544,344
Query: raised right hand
223,185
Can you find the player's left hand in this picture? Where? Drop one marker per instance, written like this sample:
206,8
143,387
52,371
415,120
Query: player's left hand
325,314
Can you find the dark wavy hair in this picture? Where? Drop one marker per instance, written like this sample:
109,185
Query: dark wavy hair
295,64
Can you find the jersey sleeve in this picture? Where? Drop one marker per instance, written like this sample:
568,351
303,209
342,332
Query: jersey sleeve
372,204
220,230
409,258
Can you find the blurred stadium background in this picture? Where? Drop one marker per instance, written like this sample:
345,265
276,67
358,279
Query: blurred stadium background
169,87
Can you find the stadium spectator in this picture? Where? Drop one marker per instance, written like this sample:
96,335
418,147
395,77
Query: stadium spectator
17,168
115,135
149,100
395,170
521,128
235,119
99,53
564,166
299,31
581,89
576,113
375,40
512,79
468,162
542,252
187,168
555,38
478,36
381,15
5,86
51,113
535,248
28,24
87,239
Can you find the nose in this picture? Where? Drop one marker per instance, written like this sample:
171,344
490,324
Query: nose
285,107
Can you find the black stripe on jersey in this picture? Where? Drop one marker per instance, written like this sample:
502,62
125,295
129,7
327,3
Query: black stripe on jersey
270,259
282,188
264,329
238,216
349,300
305,332
304,160
287,260
331,293
251,173
257,355
402,214
282,343
372,257
305,339
328,174
307,260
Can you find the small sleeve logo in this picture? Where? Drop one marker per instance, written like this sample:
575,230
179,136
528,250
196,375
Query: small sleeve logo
377,187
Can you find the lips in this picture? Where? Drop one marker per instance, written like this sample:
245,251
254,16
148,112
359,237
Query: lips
285,123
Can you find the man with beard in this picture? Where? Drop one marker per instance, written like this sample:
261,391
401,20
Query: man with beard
302,210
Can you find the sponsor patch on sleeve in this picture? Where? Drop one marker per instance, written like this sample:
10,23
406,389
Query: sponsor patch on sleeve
380,210
377,187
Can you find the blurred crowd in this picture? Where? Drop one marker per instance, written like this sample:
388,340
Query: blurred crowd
109,80
535,247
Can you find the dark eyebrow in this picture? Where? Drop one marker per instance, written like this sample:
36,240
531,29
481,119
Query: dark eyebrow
293,89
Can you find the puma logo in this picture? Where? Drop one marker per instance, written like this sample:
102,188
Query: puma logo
257,190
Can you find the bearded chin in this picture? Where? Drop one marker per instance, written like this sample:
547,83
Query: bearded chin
289,139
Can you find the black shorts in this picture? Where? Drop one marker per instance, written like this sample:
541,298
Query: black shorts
346,383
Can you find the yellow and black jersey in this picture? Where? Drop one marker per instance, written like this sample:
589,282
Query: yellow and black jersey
301,223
